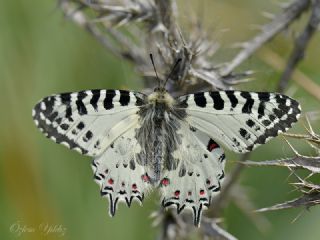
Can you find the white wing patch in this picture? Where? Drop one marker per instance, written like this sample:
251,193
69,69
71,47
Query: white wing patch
88,121
241,120
198,176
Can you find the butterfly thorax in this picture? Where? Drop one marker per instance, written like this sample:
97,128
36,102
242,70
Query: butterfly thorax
158,134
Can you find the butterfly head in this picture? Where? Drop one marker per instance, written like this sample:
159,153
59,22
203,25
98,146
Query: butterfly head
160,95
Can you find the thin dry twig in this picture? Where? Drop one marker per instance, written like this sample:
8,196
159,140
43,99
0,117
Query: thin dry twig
268,31
304,201
301,45
310,191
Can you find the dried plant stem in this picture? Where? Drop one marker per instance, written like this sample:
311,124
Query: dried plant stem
301,45
279,23
127,50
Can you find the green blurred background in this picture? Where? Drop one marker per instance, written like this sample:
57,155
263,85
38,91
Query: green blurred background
44,184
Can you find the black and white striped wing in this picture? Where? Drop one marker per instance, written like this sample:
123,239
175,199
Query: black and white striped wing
240,120
88,121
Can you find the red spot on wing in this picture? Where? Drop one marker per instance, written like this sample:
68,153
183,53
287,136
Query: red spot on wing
202,192
110,181
134,186
145,178
213,146
165,182
177,193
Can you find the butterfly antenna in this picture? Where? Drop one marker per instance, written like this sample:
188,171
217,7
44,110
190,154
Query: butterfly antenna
172,70
155,70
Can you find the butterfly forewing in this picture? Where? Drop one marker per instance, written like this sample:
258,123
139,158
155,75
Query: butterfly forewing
88,121
240,120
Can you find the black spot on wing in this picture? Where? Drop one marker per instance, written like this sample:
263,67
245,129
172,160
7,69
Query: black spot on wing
49,103
250,123
182,171
80,125
53,116
95,98
233,99
65,98
244,133
218,102
124,97
58,120
264,96
272,117
108,101
200,99
64,126
261,108
132,164
247,107
266,122
69,113
82,110
278,112
89,135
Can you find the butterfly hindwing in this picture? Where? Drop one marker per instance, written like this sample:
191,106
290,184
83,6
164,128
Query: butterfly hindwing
240,120
120,177
198,176
88,121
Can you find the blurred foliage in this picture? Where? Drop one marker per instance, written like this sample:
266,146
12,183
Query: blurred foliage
43,183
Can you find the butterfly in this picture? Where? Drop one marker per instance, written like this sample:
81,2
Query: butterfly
140,142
